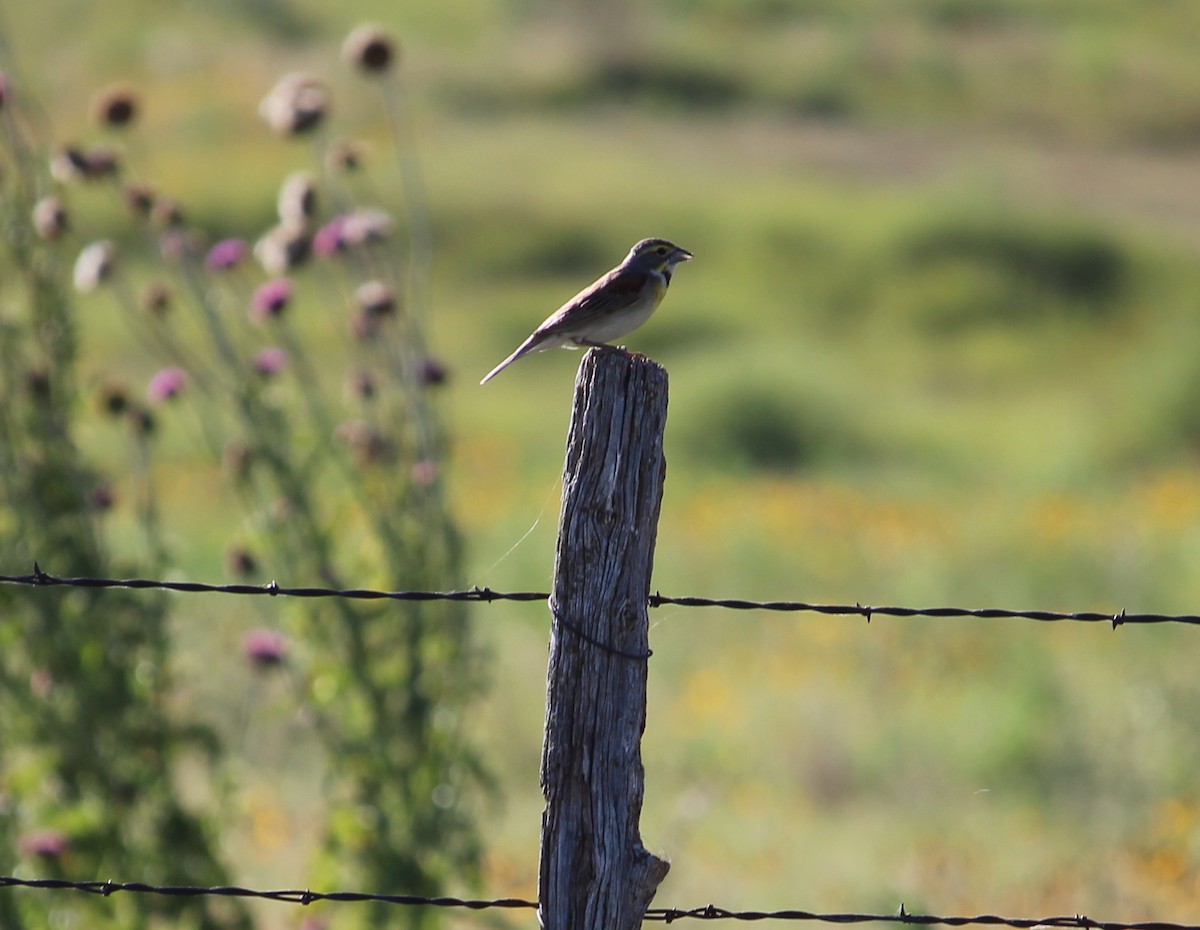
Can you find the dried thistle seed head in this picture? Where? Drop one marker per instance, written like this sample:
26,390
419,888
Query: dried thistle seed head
100,162
296,104
94,265
115,107
241,562
138,198
368,445
283,248
370,49
166,213
237,459
101,498
431,372
50,219
67,164
297,199
113,398
344,157
177,243
70,163
366,224
156,299
38,383
142,421
375,299
361,385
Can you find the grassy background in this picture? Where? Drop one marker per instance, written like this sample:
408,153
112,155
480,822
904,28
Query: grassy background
939,345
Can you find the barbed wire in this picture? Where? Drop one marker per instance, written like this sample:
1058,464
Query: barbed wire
659,914
40,578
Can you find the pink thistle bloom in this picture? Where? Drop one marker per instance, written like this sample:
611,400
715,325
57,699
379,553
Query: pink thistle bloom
226,254
264,648
432,372
166,385
270,361
424,472
271,299
330,238
45,844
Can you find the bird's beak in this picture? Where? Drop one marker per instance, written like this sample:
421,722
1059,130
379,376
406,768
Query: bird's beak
682,255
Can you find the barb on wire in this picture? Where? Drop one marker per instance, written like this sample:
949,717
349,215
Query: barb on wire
659,914
40,578
1078,922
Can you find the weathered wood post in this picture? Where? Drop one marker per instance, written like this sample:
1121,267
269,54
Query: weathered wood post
595,873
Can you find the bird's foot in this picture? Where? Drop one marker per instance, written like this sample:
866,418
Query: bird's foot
603,346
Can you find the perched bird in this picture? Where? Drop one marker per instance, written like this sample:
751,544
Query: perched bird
614,306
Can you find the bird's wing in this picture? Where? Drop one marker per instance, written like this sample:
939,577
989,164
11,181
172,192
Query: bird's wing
615,290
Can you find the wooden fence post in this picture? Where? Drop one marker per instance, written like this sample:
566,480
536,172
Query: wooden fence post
595,873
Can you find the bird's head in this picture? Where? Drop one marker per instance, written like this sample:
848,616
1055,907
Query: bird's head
656,255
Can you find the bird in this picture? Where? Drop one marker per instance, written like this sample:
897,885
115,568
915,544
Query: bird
612,307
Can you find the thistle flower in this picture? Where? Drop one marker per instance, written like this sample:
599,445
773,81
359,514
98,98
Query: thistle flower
282,248
44,844
361,385
237,458
142,421
113,399
5,90
367,224
94,265
177,243
424,473
431,372
369,49
241,562
67,164
297,199
71,163
50,218
330,238
368,445
226,255
139,198
375,299
343,157
166,385
37,383
271,299
101,498
156,299
115,107
166,213
270,361
264,648
295,105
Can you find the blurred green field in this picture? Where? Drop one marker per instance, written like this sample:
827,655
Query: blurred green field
939,345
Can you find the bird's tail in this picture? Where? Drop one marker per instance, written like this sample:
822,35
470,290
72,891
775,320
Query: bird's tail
532,344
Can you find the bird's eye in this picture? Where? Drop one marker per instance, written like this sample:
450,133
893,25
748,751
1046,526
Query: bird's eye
661,250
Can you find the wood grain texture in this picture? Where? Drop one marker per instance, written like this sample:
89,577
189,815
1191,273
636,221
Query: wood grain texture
595,873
